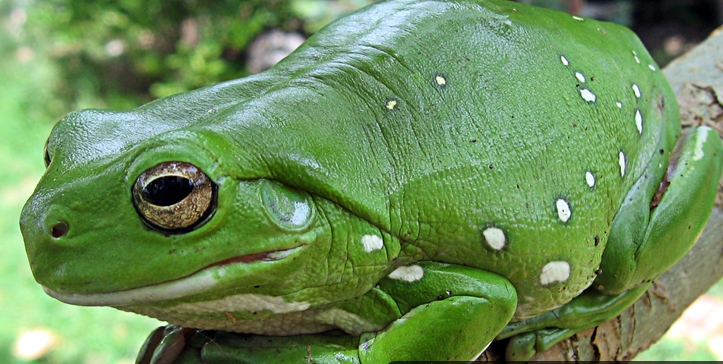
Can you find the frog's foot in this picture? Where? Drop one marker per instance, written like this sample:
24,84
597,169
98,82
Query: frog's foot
588,310
173,344
451,312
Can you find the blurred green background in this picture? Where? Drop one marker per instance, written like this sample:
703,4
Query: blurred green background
61,55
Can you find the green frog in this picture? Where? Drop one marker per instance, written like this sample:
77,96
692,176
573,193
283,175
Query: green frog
418,179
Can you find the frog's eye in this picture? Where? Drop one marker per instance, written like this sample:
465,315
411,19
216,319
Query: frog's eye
174,197
46,154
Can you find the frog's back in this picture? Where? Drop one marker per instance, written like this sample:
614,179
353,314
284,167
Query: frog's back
484,133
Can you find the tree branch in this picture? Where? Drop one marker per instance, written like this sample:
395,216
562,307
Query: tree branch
697,79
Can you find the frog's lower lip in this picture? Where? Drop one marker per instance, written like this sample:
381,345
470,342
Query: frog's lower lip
192,284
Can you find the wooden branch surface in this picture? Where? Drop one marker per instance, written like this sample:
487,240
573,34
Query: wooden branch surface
697,79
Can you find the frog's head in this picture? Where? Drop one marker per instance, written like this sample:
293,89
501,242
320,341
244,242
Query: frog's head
141,212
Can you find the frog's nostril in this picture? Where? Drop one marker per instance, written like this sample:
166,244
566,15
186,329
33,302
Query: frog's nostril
59,230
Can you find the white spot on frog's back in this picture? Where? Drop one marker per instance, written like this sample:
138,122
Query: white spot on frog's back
391,104
243,302
587,95
590,179
622,162
440,80
652,68
639,121
619,105
580,77
636,90
372,243
564,61
409,273
554,272
563,210
702,135
495,238
577,18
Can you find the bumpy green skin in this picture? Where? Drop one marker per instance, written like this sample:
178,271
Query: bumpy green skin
422,173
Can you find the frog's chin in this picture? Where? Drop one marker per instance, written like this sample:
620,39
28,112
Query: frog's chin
196,283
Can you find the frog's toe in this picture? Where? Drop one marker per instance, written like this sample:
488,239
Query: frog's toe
521,348
165,345
149,346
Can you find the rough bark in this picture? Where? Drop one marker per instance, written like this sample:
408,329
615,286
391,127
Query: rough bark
697,78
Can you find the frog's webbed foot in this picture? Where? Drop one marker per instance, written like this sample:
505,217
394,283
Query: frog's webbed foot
588,310
173,344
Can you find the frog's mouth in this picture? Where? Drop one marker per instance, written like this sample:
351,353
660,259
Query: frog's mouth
192,284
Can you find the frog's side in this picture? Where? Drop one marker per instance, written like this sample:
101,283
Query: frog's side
418,173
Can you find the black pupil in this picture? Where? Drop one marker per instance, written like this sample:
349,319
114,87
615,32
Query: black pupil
167,191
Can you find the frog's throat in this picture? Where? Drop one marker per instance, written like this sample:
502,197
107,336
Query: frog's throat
195,283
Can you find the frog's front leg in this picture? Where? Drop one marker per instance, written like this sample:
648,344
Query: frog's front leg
440,312
452,313
654,228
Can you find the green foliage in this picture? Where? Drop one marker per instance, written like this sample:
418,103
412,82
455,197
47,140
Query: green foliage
147,48
677,349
